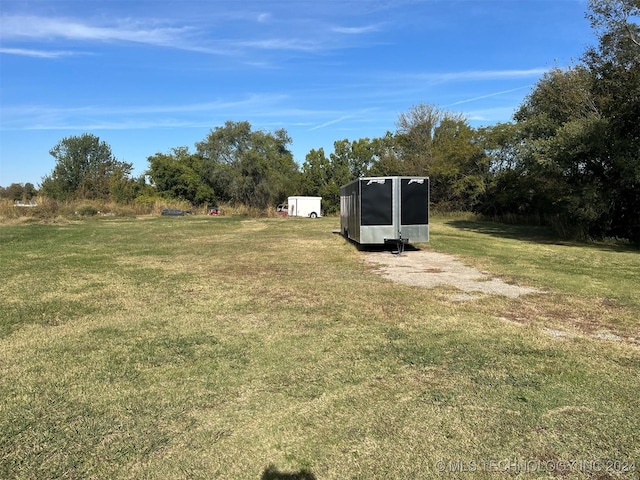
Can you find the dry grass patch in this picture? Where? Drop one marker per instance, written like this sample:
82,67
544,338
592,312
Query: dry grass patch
574,315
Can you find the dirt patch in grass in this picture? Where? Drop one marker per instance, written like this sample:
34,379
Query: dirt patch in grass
569,316
430,269
559,315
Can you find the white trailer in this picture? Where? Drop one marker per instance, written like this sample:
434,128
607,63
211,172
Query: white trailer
304,206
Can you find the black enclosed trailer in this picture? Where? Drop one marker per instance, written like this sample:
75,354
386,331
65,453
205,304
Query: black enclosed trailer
381,210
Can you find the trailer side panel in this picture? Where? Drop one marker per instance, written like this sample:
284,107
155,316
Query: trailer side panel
350,210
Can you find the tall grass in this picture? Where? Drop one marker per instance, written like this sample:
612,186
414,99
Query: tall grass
52,210
48,210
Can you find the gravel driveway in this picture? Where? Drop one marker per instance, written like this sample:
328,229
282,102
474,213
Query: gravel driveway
431,269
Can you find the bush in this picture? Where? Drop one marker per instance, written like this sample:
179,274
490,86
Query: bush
46,209
87,211
148,202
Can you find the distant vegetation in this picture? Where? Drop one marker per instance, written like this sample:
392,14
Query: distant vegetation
570,159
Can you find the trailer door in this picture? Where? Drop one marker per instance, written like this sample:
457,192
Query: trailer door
414,201
414,209
376,201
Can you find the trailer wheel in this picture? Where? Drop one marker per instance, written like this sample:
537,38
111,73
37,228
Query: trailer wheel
313,215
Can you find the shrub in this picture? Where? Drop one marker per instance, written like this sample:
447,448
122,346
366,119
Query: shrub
87,211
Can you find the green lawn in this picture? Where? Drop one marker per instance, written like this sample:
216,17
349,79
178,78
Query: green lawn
217,348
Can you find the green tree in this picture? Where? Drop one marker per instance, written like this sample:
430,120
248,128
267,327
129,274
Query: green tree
615,67
316,173
122,188
18,191
416,136
506,190
387,159
339,174
85,168
560,127
578,135
253,168
180,174
29,191
358,154
441,145
614,21
459,168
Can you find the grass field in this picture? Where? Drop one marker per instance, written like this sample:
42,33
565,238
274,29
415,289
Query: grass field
223,348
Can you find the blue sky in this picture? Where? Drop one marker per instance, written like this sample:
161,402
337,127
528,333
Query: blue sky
150,75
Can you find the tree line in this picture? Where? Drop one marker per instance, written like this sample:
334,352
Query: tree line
570,158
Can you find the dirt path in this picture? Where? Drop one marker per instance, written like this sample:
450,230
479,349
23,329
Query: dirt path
431,269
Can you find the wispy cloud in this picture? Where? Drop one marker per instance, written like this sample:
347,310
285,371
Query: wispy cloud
294,44
264,17
490,115
357,116
489,95
474,75
25,52
356,30
34,27
19,28
330,122
22,28
44,117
